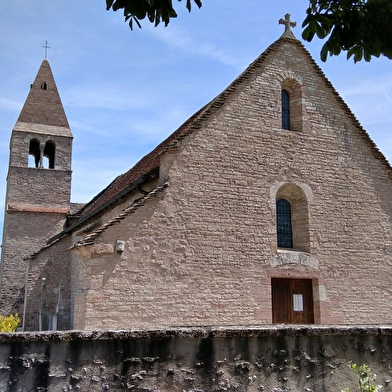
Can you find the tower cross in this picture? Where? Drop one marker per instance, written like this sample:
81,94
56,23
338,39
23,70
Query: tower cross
46,49
287,22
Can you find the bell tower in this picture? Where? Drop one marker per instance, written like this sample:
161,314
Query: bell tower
38,184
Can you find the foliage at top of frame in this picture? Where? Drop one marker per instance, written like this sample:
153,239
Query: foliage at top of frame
362,28
156,11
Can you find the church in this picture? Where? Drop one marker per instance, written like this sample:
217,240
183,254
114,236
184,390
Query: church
271,204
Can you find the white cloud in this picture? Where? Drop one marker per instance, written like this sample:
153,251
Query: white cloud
180,38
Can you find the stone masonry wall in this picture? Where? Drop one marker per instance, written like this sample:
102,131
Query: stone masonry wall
270,359
49,286
49,190
205,251
17,244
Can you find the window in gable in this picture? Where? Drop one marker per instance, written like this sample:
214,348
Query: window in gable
285,109
283,224
292,105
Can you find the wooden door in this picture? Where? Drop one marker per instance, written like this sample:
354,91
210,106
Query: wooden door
292,301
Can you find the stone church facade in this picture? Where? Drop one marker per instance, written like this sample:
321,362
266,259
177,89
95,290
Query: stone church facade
271,204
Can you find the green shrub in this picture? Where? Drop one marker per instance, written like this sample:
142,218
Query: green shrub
9,323
366,379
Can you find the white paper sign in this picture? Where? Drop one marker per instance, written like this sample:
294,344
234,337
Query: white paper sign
298,302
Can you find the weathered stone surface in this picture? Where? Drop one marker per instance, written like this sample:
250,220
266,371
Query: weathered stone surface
279,358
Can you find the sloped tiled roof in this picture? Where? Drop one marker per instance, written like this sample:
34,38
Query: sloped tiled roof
90,238
144,166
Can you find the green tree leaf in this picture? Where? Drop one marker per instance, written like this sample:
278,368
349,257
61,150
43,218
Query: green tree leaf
156,11
362,28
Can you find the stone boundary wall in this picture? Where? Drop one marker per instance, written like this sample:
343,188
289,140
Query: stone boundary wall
202,359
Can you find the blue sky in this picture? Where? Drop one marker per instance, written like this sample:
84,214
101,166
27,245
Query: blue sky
125,91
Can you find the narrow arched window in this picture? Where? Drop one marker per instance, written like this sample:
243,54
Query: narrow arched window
283,224
49,154
285,109
44,86
34,152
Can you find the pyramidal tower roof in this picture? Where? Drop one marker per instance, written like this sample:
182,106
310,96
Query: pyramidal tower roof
43,104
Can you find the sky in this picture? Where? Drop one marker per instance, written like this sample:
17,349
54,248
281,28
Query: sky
125,91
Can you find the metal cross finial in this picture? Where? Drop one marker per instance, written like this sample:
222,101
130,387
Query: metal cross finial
287,22
46,49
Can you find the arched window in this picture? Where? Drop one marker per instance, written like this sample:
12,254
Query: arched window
292,218
283,224
293,98
285,109
49,154
34,152
44,86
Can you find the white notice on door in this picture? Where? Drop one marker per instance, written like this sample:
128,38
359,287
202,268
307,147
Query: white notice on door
298,302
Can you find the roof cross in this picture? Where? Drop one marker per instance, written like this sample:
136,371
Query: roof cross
287,22
46,49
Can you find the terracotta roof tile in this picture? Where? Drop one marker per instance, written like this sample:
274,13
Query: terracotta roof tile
90,238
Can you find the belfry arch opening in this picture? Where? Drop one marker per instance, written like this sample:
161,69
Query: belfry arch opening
41,156
49,151
34,153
